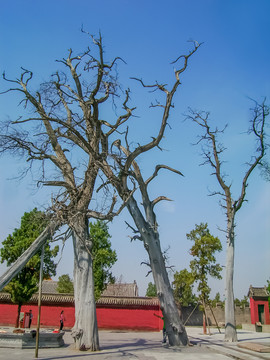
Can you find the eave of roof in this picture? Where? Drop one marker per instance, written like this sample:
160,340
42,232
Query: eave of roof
102,301
258,292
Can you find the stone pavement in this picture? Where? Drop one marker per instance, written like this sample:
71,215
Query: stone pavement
215,343
147,346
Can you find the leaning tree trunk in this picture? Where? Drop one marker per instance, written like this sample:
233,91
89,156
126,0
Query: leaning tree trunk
17,266
174,327
230,328
85,330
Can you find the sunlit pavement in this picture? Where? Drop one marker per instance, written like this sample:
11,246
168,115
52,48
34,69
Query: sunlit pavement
216,343
147,346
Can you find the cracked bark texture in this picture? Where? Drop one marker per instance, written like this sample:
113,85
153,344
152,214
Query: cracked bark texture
149,235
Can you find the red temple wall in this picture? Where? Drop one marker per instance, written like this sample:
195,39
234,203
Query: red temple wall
131,319
107,317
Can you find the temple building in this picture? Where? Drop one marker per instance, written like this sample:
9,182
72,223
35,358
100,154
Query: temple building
259,306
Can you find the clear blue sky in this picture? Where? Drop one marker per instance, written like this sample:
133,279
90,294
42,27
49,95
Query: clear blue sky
231,67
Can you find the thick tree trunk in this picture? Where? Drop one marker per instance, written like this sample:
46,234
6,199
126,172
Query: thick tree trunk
230,328
85,330
174,327
17,266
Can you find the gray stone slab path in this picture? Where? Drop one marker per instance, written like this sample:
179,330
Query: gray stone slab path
147,346
231,350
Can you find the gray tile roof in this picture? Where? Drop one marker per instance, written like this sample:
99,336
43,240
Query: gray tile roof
118,289
116,294
107,301
258,292
49,287
122,290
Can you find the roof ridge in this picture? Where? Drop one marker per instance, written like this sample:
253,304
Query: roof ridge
103,300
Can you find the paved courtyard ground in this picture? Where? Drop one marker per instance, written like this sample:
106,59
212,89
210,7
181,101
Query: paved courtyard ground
147,346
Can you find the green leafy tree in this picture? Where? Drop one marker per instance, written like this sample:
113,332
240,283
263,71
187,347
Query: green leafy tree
151,290
24,285
65,285
217,300
244,302
183,288
103,256
237,302
204,263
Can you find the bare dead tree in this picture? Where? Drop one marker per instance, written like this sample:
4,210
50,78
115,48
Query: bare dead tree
125,175
63,136
212,156
75,148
